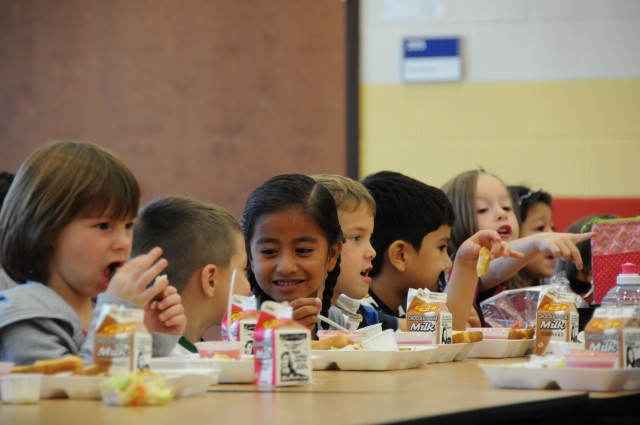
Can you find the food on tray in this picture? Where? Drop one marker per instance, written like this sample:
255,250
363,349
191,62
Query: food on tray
458,337
50,366
526,333
136,389
160,278
332,342
484,256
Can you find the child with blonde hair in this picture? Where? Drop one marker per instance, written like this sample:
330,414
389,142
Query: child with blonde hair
481,201
65,237
356,212
204,245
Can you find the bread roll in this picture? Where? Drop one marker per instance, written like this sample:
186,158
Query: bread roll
458,337
521,333
335,341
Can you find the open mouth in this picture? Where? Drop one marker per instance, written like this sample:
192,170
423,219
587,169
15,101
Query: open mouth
365,273
109,272
504,231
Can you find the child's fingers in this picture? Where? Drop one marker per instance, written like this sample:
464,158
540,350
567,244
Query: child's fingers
166,316
516,254
581,237
301,302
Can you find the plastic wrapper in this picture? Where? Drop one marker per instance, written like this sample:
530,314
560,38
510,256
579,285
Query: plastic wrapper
517,307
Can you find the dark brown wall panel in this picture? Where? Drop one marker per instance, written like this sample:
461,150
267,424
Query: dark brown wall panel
207,98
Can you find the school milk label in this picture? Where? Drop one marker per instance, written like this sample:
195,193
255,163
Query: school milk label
557,320
428,312
614,330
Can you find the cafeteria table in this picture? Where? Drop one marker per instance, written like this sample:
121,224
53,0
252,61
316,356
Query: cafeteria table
444,393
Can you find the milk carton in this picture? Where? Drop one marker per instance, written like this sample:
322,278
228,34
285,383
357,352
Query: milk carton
556,320
614,330
428,312
282,347
121,342
244,317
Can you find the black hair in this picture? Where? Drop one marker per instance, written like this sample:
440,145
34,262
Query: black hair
5,181
406,209
288,191
524,198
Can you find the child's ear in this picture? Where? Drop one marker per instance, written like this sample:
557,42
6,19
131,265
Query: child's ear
208,277
397,255
334,254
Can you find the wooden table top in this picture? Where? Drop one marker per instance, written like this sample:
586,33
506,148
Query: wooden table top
445,393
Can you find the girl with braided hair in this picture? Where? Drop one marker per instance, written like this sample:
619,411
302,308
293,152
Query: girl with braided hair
293,239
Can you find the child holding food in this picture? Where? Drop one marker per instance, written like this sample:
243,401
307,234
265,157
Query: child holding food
356,211
293,238
65,231
412,228
204,245
481,202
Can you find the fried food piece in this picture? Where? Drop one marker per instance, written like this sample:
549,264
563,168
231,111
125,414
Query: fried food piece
484,256
50,366
521,333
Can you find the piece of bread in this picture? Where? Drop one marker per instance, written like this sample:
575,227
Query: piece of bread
51,366
484,256
521,333
458,337
335,341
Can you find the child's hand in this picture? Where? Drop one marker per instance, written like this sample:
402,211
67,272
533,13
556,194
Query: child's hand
167,315
131,281
306,310
473,321
490,239
561,245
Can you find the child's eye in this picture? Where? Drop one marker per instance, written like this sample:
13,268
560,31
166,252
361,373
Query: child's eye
102,226
268,252
507,208
539,229
356,238
129,226
443,248
482,210
304,251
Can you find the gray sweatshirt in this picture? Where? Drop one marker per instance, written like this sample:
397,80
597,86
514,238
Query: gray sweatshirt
36,323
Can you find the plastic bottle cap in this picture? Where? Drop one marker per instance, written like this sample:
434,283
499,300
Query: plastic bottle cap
629,268
629,275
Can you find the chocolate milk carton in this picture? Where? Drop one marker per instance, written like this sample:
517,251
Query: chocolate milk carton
282,347
428,312
556,319
615,330
122,342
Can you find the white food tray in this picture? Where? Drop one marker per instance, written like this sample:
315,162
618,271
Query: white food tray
411,358
528,376
501,348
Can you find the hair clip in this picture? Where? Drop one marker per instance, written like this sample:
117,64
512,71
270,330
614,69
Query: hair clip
524,197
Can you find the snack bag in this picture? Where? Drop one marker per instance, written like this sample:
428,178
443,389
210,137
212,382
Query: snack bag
282,347
556,319
428,312
122,342
614,330
615,242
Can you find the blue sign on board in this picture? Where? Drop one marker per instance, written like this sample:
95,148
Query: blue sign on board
431,59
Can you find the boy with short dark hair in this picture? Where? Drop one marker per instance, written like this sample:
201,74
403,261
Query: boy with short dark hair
203,244
411,231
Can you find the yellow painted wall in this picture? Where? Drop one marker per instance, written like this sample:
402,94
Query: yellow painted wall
571,138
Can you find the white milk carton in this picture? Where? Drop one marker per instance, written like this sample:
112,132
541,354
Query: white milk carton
428,312
282,347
